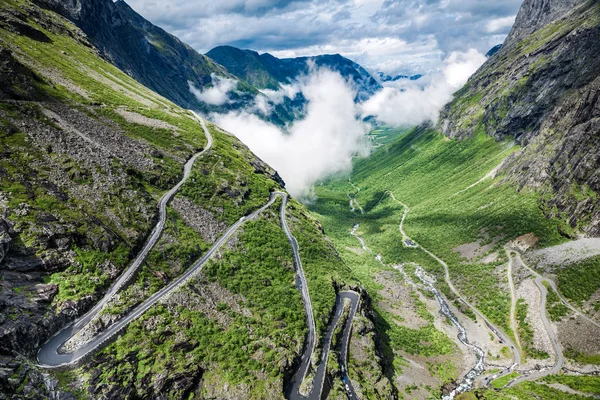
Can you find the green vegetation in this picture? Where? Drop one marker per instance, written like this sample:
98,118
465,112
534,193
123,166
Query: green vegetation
66,380
504,380
556,309
432,175
579,281
584,384
383,136
523,391
445,372
243,343
582,358
526,333
87,277
442,216
426,341
176,250
231,181
322,265
241,323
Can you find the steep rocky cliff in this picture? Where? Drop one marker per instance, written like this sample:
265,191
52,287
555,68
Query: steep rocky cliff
542,88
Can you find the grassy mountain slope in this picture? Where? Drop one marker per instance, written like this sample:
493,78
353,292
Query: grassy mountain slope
515,153
86,153
150,55
432,175
542,89
454,205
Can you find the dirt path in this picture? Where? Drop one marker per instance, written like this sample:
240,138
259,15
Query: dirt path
513,300
353,199
489,175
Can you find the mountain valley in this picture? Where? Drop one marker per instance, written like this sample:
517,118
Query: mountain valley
145,252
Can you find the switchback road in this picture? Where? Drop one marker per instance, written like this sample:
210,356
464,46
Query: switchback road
51,356
48,355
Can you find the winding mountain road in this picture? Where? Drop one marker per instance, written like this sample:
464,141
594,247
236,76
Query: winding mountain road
513,299
294,388
345,346
51,356
48,355
553,286
539,281
560,360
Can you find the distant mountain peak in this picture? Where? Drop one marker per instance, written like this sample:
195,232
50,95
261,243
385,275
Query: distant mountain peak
266,71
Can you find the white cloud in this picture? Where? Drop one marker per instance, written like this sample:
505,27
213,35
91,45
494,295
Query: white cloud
218,93
405,103
499,24
403,36
262,105
459,66
385,54
277,96
322,143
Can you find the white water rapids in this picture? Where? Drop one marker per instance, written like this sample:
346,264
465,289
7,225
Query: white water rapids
467,381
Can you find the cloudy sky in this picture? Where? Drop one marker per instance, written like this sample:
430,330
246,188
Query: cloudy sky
394,36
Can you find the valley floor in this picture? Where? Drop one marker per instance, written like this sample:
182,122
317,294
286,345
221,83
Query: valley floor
428,201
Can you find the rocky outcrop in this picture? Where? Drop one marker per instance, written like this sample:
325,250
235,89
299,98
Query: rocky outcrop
201,220
535,14
542,89
17,82
5,239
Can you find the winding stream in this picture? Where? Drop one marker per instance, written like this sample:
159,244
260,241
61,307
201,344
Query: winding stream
468,380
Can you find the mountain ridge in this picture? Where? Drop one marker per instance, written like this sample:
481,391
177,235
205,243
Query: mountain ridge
542,90
152,56
266,71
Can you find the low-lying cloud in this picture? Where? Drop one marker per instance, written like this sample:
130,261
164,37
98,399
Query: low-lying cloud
332,130
408,103
322,143
218,93
278,96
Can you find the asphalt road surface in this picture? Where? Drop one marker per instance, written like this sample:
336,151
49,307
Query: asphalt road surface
560,360
293,391
354,299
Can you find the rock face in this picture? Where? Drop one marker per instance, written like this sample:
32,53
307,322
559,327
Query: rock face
493,50
5,239
535,14
542,89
